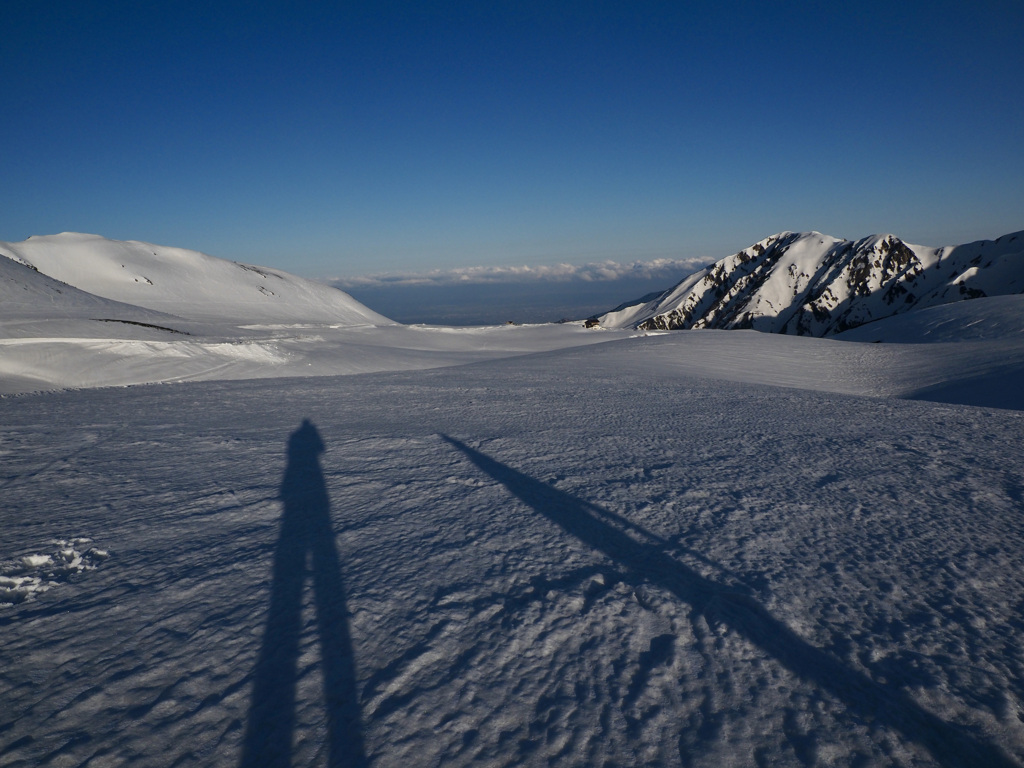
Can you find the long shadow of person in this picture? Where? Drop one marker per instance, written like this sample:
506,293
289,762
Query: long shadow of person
305,543
647,556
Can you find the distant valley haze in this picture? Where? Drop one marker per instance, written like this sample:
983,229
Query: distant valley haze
521,294
492,303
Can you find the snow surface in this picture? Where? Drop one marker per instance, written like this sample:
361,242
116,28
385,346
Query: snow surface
511,545
545,559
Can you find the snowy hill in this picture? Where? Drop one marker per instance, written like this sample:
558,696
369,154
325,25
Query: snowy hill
186,283
812,284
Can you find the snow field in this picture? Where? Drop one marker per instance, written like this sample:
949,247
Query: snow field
574,558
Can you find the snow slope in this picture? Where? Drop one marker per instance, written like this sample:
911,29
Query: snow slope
186,283
25,294
990,319
589,557
813,284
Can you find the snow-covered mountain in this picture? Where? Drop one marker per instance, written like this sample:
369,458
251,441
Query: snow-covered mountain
807,283
178,281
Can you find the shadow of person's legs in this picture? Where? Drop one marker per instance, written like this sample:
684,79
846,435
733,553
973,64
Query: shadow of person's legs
306,537
344,725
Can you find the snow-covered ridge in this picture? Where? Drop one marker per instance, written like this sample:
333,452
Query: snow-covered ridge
178,281
807,283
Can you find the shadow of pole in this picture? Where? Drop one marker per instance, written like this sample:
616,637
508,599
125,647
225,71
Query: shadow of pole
305,542
874,702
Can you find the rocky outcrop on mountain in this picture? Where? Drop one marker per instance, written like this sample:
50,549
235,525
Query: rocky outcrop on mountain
811,284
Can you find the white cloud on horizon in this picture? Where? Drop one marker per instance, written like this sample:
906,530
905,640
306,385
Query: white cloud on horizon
603,271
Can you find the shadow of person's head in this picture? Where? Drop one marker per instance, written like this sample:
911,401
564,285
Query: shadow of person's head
305,442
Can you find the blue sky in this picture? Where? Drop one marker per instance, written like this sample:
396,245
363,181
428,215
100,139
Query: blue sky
342,139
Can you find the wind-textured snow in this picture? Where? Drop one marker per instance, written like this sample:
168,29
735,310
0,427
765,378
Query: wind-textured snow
534,562
701,548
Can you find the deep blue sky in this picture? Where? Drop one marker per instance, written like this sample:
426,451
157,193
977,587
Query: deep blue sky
404,136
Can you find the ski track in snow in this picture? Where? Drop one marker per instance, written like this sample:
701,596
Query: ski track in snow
563,559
